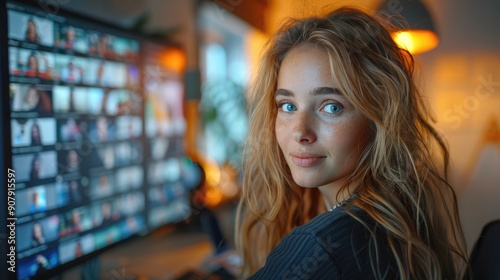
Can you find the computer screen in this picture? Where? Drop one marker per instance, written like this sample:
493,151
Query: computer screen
96,136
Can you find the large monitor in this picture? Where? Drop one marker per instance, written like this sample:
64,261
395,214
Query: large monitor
92,128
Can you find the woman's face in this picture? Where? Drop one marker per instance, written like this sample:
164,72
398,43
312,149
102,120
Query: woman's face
35,132
37,231
319,132
31,29
32,98
33,63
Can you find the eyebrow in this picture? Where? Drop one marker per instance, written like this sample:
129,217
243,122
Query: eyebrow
316,91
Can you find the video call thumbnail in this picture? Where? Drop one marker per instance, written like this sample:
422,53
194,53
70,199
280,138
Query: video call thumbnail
129,152
36,199
164,110
124,102
31,63
159,147
37,233
38,264
33,132
31,98
112,101
71,38
166,193
104,213
70,69
70,99
75,221
102,157
130,177
76,248
71,129
78,193
172,212
107,236
30,167
42,198
30,28
125,48
105,73
131,225
132,203
128,127
112,47
69,161
164,171
102,186
102,129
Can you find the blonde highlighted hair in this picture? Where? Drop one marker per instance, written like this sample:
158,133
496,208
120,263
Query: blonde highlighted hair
398,178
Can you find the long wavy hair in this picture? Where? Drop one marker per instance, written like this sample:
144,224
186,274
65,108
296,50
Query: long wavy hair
401,179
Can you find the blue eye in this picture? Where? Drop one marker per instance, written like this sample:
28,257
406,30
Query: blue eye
333,108
287,107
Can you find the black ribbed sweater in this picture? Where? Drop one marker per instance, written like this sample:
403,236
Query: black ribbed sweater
333,245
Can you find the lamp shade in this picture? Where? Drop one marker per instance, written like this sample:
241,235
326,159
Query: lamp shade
416,31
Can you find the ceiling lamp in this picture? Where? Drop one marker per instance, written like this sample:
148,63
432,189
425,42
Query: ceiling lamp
416,31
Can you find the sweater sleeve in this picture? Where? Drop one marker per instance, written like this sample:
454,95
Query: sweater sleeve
298,256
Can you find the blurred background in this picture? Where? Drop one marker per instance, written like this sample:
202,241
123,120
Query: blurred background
221,41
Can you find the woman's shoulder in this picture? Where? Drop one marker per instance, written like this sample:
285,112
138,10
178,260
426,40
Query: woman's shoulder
333,245
337,222
351,237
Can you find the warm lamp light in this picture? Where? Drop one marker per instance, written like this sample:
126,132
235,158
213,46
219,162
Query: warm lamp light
173,59
416,41
416,31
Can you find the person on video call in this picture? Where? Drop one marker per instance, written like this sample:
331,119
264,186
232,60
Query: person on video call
32,66
70,131
101,130
38,237
36,138
31,34
36,166
42,265
100,78
103,46
70,37
76,221
107,216
345,176
37,204
31,99
71,73
75,192
72,161
35,101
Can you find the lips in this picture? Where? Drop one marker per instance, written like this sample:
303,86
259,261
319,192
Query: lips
306,159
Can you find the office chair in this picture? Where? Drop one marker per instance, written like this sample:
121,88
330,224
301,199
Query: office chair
485,257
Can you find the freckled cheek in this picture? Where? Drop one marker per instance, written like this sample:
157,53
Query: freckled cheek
281,132
344,139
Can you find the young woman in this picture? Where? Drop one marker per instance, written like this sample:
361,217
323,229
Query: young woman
31,34
36,137
341,179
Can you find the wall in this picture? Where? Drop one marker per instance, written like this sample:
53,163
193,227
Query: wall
462,80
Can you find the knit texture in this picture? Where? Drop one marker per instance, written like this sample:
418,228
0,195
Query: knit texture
333,245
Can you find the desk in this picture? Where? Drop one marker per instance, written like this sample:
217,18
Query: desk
163,255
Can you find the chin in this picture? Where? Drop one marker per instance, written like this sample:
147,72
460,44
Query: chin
305,182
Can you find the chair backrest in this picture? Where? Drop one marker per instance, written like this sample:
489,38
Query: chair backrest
485,257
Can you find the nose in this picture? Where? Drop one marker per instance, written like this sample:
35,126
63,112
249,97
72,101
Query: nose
303,128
